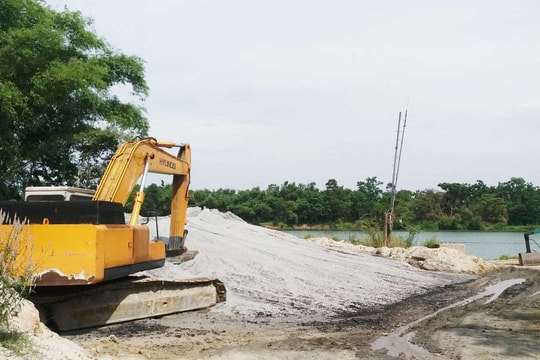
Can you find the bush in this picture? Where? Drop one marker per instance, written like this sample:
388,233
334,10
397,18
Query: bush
451,223
353,237
376,237
411,236
16,267
432,243
18,343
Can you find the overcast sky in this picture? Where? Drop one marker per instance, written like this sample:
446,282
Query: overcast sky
305,91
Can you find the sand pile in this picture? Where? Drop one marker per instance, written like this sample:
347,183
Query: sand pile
439,259
44,344
446,259
270,273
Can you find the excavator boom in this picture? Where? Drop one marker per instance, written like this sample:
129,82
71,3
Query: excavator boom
133,160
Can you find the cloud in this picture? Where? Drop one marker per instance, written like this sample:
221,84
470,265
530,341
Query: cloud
302,91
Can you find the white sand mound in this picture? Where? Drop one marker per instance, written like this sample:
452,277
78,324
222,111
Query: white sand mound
45,344
270,273
439,259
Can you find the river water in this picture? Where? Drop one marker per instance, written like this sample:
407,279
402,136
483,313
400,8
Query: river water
487,245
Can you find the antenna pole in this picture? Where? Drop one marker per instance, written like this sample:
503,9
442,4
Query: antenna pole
389,216
401,148
394,172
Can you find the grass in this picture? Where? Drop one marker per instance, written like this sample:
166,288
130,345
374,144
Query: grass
311,236
378,241
375,237
17,270
16,266
16,342
507,257
432,243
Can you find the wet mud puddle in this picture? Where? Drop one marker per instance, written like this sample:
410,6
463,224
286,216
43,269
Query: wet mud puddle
399,341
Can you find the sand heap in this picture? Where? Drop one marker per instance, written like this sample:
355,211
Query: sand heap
447,259
439,259
271,273
44,344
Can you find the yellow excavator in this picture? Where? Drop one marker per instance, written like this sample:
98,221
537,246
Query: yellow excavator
84,252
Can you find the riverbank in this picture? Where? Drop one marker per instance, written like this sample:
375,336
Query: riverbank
486,245
428,228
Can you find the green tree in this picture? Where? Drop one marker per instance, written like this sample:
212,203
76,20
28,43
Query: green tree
404,217
250,205
157,200
456,196
492,209
522,200
311,206
279,208
368,199
337,202
459,207
426,206
60,118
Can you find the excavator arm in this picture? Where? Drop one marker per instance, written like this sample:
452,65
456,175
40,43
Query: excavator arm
135,159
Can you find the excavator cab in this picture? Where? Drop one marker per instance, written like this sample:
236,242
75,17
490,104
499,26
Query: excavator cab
57,193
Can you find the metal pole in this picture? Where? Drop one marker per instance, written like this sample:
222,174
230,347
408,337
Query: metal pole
527,243
388,219
394,172
139,197
401,146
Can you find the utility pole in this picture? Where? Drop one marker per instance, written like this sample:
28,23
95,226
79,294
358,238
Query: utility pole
389,215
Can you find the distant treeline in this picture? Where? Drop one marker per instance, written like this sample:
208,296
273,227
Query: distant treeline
454,207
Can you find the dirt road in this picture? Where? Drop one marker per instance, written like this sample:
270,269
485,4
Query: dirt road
506,327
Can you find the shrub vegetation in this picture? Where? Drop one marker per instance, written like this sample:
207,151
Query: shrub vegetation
511,205
16,279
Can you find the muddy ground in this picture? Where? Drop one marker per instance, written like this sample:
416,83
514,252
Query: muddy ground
506,327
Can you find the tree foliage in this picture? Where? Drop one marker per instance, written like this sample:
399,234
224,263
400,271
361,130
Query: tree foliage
59,116
457,207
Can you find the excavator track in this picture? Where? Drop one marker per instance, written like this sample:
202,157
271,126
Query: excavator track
123,300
